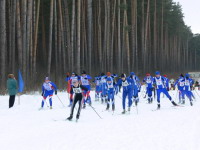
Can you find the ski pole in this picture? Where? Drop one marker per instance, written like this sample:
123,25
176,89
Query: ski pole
60,101
95,111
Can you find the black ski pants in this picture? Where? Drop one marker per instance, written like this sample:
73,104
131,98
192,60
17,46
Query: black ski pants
11,101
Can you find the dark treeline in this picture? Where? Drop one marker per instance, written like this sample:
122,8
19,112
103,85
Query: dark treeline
52,37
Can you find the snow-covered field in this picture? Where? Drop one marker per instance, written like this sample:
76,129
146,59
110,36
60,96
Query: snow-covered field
24,127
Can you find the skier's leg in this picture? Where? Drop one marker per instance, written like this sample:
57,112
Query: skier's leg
79,109
71,100
50,101
165,92
158,91
108,101
130,95
44,99
72,108
124,99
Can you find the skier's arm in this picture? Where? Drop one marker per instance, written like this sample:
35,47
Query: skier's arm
43,90
88,77
119,82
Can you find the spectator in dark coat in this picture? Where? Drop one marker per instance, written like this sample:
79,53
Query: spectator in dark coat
12,89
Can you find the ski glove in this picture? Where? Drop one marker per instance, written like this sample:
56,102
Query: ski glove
55,92
42,93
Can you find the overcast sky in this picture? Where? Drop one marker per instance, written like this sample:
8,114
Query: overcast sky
191,10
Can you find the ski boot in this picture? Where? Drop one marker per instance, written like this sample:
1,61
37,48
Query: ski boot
179,101
124,111
51,107
191,103
107,108
84,106
158,107
129,109
69,118
183,102
77,117
174,103
136,102
149,100
113,107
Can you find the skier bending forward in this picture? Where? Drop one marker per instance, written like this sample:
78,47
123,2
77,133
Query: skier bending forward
77,89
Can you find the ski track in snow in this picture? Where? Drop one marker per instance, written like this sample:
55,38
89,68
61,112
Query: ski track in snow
24,127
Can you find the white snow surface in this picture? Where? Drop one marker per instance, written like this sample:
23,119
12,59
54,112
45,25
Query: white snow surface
24,127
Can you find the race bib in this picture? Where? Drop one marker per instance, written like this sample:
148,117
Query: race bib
103,80
125,83
187,83
148,80
159,82
77,90
110,86
181,83
47,86
84,81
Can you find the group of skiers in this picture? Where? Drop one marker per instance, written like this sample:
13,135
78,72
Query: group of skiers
107,87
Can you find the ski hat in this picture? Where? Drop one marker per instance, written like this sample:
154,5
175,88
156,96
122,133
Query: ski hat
157,73
148,74
83,72
181,75
102,74
165,75
47,78
132,73
123,75
187,75
73,73
108,74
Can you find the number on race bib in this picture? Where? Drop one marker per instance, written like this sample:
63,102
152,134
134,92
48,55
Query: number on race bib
125,83
77,90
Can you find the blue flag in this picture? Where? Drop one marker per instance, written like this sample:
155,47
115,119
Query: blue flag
21,82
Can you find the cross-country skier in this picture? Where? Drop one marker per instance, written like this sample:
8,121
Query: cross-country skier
159,82
85,82
77,89
180,84
70,80
187,87
166,82
136,87
97,89
103,87
110,86
127,85
48,89
148,80
111,93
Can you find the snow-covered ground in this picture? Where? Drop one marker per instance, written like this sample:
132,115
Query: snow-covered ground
24,127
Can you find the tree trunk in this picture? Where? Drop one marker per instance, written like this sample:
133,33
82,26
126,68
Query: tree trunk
3,42
89,29
50,38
